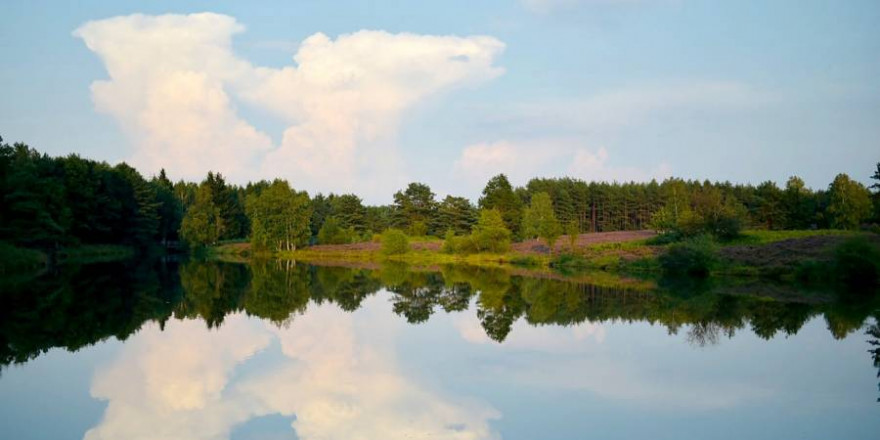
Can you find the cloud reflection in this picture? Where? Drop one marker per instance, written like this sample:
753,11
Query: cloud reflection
338,377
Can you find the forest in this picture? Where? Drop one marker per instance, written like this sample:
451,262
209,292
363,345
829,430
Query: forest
51,203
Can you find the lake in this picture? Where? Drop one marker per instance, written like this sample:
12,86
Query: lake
272,350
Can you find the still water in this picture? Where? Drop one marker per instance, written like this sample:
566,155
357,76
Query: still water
280,351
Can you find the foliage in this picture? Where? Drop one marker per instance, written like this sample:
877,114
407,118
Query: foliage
856,261
709,212
418,228
571,230
279,217
490,233
333,233
569,262
695,257
413,205
394,242
450,242
849,203
525,261
456,213
203,223
498,195
539,220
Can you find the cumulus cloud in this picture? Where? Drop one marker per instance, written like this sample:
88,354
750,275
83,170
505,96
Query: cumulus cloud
174,81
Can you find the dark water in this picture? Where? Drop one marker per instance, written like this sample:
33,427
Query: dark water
275,350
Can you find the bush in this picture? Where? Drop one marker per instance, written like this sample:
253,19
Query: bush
490,234
418,229
332,233
857,262
525,261
450,242
568,262
693,257
394,242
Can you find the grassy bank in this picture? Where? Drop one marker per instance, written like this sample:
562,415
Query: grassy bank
756,253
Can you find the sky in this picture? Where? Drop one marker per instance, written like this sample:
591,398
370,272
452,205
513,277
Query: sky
366,96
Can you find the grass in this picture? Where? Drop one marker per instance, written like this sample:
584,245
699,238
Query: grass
414,257
640,256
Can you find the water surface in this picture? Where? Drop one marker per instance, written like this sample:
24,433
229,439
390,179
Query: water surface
279,350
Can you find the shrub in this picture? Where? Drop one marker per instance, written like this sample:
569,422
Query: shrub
394,242
450,242
332,233
490,234
418,229
567,262
694,257
857,262
526,261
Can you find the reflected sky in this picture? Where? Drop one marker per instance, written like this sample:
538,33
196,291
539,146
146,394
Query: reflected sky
367,374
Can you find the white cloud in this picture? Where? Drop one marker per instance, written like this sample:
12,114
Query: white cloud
173,79
590,165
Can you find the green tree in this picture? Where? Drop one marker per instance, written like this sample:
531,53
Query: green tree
498,194
455,213
849,203
571,230
170,208
875,195
799,204
490,234
350,211
332,232
540,221
202,225
279,217
414,204
230,204
770,212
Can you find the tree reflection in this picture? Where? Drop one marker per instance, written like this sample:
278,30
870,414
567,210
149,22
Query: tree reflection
79,306
874,332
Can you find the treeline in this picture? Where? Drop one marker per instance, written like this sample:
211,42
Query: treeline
51,202
67,201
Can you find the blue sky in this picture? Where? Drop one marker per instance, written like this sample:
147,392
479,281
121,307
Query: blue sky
451,92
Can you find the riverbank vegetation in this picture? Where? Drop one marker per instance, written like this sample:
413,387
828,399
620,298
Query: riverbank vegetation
53,204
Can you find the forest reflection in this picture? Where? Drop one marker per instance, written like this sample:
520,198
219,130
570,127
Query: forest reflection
80,305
